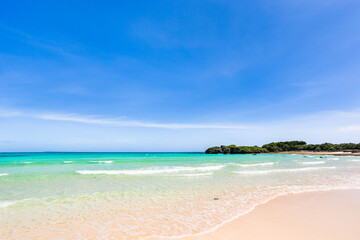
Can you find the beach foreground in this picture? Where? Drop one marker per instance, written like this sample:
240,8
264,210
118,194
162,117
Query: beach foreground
317,215
142,195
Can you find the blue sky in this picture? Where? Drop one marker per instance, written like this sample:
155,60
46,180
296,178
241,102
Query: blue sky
177,75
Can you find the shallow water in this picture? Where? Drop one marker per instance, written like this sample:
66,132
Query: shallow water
136,195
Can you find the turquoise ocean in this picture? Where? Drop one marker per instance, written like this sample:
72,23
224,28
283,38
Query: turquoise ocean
138,195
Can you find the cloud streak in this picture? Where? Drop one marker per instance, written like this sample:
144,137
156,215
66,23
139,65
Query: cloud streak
90,119
339,121
90,132
350,128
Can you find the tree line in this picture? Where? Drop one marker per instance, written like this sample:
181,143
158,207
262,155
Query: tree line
283,147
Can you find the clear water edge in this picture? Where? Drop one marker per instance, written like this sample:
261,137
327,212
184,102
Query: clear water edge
137,179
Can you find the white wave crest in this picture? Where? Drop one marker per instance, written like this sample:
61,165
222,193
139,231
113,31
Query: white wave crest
312,163
282,170
68,161
3,174
333,158
102,161
6,204
26,162
194,174
10,203
255,164
150,171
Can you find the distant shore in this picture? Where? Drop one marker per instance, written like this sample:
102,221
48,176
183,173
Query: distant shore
340,153
329,215
292,147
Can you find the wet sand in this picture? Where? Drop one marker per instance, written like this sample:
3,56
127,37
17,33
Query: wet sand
317,215
341,153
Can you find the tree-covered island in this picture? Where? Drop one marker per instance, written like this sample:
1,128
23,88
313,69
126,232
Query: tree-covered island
288,146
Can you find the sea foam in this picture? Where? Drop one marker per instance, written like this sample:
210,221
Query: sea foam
10,203
282,170
3,174
6,204
102,161
195,174
255,164
312,163
150,171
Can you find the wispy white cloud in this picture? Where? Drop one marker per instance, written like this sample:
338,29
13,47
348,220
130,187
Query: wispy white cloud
89,134
120,122
54,47
350,128
331,121
332,126
9,113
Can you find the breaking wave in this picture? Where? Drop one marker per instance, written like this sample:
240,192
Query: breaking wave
151,171
282,170
312,163
101,161
255,164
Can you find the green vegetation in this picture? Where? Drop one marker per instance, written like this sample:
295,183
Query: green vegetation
302,146
283,147
233,149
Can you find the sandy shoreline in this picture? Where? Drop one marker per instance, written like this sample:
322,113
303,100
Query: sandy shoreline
330,215
318,153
